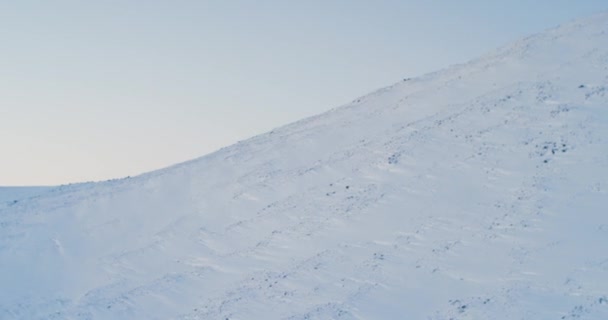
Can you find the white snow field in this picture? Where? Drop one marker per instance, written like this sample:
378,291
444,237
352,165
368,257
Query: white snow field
476,192
16,194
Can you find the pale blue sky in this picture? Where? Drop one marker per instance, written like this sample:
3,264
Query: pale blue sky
92,90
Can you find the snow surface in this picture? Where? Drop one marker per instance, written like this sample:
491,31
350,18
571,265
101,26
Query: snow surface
477,192
15,194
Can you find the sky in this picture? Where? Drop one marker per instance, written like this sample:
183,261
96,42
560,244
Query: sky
94,90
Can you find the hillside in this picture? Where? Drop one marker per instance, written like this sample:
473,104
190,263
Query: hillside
476,192
15,194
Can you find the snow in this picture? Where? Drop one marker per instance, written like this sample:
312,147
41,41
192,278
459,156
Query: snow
14,194
476,192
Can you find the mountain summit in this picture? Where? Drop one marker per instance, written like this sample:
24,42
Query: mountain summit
476,192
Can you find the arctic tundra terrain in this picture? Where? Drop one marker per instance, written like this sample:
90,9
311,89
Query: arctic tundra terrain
476,192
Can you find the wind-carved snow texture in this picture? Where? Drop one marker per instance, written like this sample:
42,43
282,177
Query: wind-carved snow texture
477,192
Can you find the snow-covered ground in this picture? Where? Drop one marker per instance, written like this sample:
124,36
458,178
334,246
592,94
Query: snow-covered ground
16,194
477,192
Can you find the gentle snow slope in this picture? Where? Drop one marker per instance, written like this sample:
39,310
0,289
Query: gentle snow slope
16,194
477,192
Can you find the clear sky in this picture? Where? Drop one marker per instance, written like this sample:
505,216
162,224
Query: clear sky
93,90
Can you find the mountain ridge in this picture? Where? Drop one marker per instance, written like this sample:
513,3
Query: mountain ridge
473,192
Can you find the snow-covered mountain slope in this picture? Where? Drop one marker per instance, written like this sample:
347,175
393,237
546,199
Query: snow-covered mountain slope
16,194
477,192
